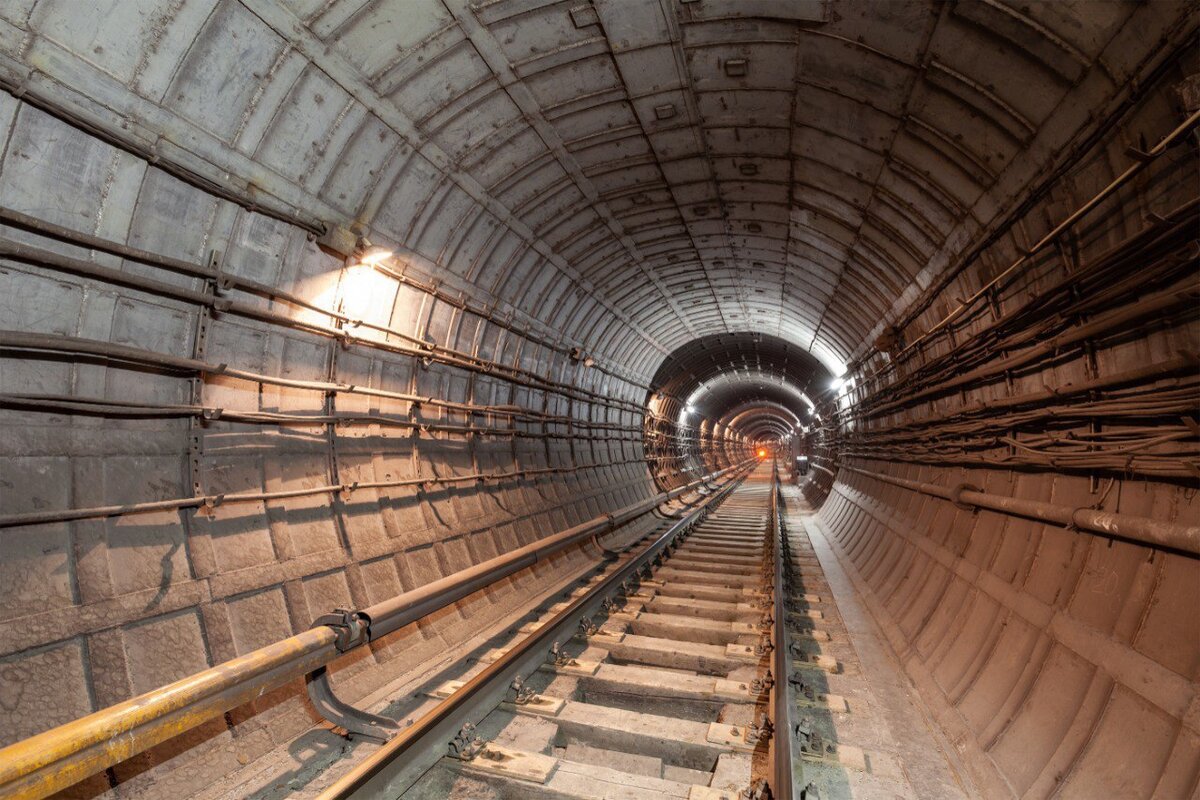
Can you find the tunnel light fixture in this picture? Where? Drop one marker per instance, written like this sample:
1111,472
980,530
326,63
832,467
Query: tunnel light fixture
578,356
837,383
737,67
371,255
376,255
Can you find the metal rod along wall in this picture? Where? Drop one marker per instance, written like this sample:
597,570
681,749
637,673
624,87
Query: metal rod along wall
1143,530
220,283
163,154
1141,161
213,500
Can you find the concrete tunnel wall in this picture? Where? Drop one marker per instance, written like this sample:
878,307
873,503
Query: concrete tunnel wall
100,610
508,154
1058,663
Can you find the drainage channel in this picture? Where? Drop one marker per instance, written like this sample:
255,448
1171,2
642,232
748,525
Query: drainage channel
662,689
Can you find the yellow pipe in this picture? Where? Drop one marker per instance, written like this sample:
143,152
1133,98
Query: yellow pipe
60,757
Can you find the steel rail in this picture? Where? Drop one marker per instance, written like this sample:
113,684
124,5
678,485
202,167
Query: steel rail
1158,533
60,757
780,745
479,695
394,613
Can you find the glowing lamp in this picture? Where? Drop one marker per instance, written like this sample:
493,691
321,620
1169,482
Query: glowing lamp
373,256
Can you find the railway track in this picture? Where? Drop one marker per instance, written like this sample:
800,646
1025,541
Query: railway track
654,679
710,660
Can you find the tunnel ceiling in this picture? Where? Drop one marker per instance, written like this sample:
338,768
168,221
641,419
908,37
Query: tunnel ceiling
703,360
631,176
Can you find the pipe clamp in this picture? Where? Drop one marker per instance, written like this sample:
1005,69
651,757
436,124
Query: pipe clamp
349,626
956,496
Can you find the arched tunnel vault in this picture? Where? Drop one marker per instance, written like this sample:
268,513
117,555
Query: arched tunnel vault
308,303
618,173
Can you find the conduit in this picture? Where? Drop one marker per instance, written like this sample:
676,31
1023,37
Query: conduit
73,345
1141,161
29,87
115,408
213,500
1155,307
1186,363
1143,530
62,756
220,282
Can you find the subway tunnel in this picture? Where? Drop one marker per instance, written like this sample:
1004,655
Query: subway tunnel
371,370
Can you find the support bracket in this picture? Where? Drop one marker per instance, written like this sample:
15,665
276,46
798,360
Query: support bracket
352,629
354,720
956,494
